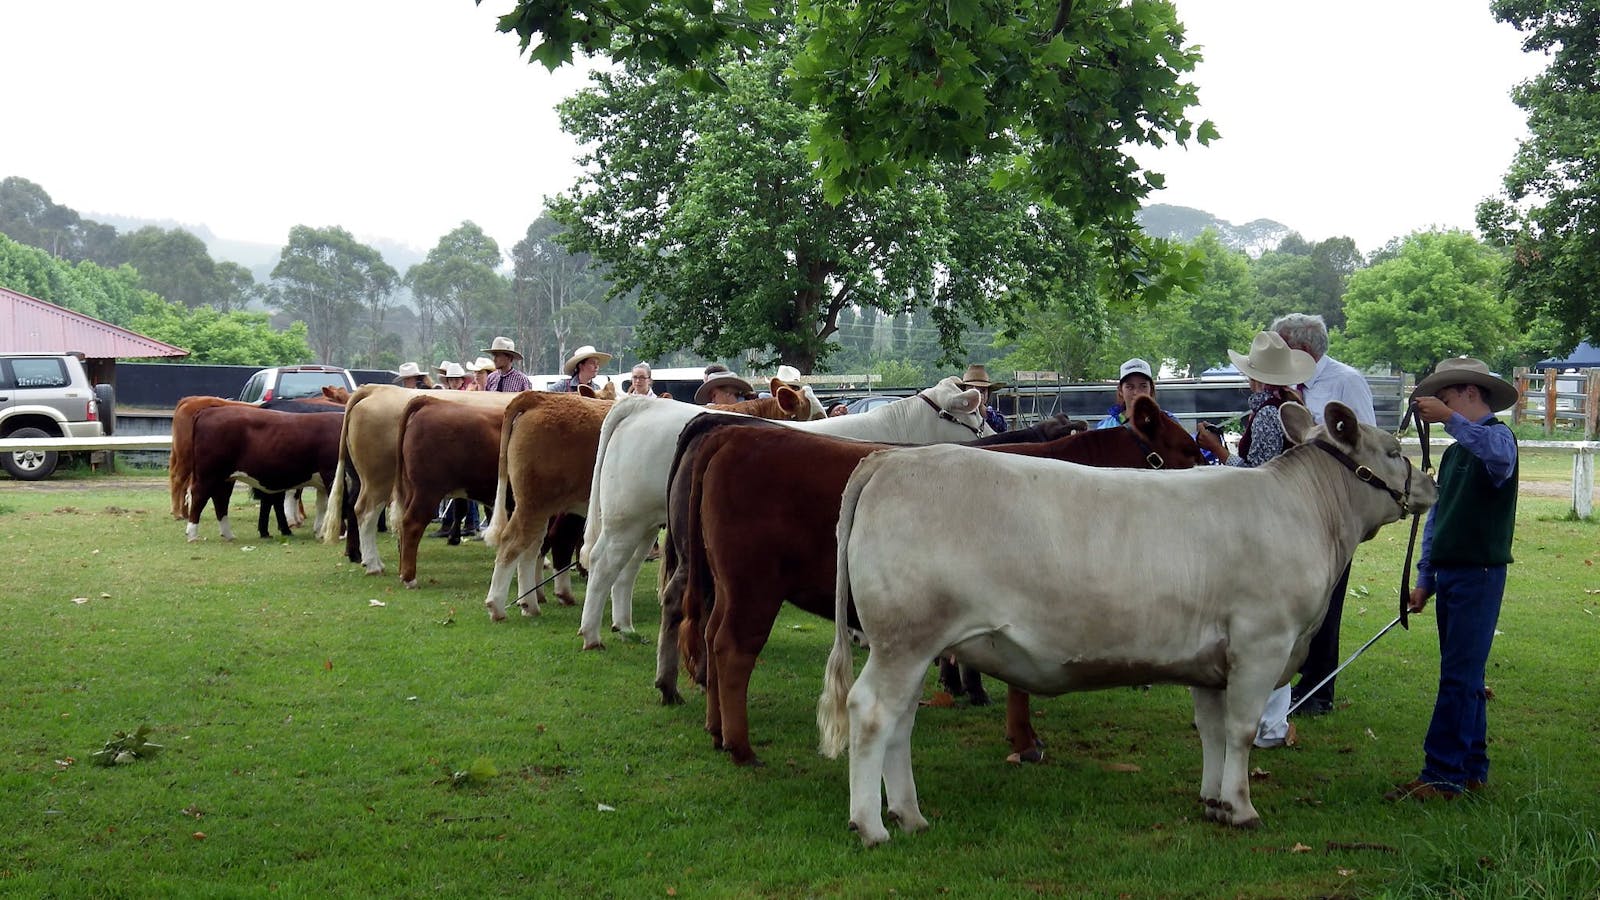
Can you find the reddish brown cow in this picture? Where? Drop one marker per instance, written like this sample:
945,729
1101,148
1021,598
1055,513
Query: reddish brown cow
761,547
179,460
444,450
268,450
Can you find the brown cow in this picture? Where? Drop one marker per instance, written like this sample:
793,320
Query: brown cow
445,450
762,547
266,449
365,482
179,460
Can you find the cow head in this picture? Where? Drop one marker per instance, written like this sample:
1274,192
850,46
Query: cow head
794,404
1387,471
1164,435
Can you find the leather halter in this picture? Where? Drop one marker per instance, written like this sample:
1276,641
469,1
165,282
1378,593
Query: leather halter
1402,499
1151,457
945,415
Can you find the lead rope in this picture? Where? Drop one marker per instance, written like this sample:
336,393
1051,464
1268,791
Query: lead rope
1416,518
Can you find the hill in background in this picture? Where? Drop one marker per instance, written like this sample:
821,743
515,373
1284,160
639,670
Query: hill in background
1183,223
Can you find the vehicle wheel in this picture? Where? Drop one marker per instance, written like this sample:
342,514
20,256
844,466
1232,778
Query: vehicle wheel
30,465
105,408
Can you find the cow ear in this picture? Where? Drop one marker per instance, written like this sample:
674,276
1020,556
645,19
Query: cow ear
774,385
1297,422
665,395
1341,424
968,401
789,399
1145,414
585,391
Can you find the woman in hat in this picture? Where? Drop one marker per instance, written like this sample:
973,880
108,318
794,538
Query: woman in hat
455,377
723,387
977,376
504,377
581,368
412,376
478,373
1271,367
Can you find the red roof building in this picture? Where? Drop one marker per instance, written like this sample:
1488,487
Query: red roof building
31,325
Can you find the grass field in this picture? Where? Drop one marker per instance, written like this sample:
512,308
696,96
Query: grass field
313,737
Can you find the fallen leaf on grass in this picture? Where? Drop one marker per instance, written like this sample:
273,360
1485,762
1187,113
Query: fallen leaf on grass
601,807
1299,848
1345,873
481,770
246,549
1371,735
940,700
80,600
199,835
376,602
65,762
193,811
124,748
1259,774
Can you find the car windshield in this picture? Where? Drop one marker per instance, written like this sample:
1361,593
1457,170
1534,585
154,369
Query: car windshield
294,385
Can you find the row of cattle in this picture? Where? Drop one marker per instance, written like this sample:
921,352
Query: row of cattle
1031,570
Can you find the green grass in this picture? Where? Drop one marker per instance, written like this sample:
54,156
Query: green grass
312,738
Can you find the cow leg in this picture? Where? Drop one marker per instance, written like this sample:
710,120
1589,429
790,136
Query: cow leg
264,517
1249,685
899,787
322,508
197,497
283,520
877,703
739,633
1025,743
505,560
530,571
622,589
414,518
714,681
299,507
614,563
950,675
1210,722
972,686
220,501
367,535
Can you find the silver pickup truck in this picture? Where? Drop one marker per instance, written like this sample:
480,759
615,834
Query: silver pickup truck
49,395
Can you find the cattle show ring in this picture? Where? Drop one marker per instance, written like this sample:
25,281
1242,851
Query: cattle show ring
351,708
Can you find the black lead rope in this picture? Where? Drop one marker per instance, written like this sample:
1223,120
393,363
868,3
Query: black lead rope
1416,519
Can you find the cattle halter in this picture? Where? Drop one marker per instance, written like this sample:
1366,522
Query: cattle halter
1151,457
945,415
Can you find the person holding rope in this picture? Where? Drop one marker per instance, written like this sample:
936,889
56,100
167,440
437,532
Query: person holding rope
1466,547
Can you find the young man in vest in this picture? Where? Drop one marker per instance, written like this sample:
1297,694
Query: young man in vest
1465,550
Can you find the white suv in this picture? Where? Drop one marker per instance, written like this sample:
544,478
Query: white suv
49,395
294,383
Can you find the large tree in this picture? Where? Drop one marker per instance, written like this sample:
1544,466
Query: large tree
324,276
1437,297
706,205
1547,214
459,285
1299,276
174,264
1199,325
555,293
29,216
1058,88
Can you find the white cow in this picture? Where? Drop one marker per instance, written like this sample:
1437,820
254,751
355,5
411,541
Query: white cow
628,495
1213,578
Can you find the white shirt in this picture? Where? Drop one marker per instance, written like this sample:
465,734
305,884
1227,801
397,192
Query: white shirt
1333,380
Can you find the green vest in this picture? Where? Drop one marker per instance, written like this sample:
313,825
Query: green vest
1472,520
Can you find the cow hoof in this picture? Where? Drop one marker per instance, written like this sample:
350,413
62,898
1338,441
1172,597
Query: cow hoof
1033,754
192,540
528,609
496,615
910,823
374,570
871,837
567,599
978,698
754,762
1252,823
410,585
671,697
593,645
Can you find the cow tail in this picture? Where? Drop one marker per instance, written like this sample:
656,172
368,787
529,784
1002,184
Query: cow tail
401,494
178,466
833,718
186,464
333,522
591,520
502,487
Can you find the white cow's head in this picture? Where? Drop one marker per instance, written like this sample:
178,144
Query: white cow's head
1401,487
959,407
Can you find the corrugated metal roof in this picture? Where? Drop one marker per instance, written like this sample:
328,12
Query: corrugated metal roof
31,325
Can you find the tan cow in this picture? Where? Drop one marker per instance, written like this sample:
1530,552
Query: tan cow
367,457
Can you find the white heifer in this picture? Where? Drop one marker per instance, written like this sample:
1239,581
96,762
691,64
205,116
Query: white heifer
1213,578
628,495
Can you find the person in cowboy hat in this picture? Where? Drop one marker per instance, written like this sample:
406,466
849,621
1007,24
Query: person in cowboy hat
722,387
455,377
977,377
789,375
580,368
412,376
1466,547
478,373
1332,380
1272,366
1135,379
504,377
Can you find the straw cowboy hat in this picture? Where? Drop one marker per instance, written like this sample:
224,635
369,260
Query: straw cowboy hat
978,376
1466,370
501,345
454,370
481,364
587,351
789,375
444,364
1271,361
721,379
407,370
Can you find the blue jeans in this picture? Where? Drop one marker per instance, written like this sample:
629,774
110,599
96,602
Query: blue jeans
1467,606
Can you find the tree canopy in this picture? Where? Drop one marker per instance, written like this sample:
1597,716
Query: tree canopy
705,205
1052,92
1437,297
457,288
324,277
1547,214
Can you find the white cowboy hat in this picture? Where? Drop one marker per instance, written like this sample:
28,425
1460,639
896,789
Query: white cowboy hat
445,364
587,351
502,345
1271,361
454,370
407,370
1466,370
789,375
721,379
481,364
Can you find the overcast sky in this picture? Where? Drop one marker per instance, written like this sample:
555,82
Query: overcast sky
399,119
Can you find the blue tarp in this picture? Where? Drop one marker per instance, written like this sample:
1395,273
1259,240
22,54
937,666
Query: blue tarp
1585,356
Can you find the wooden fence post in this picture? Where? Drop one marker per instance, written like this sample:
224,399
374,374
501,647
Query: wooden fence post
1519,377
1549,402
